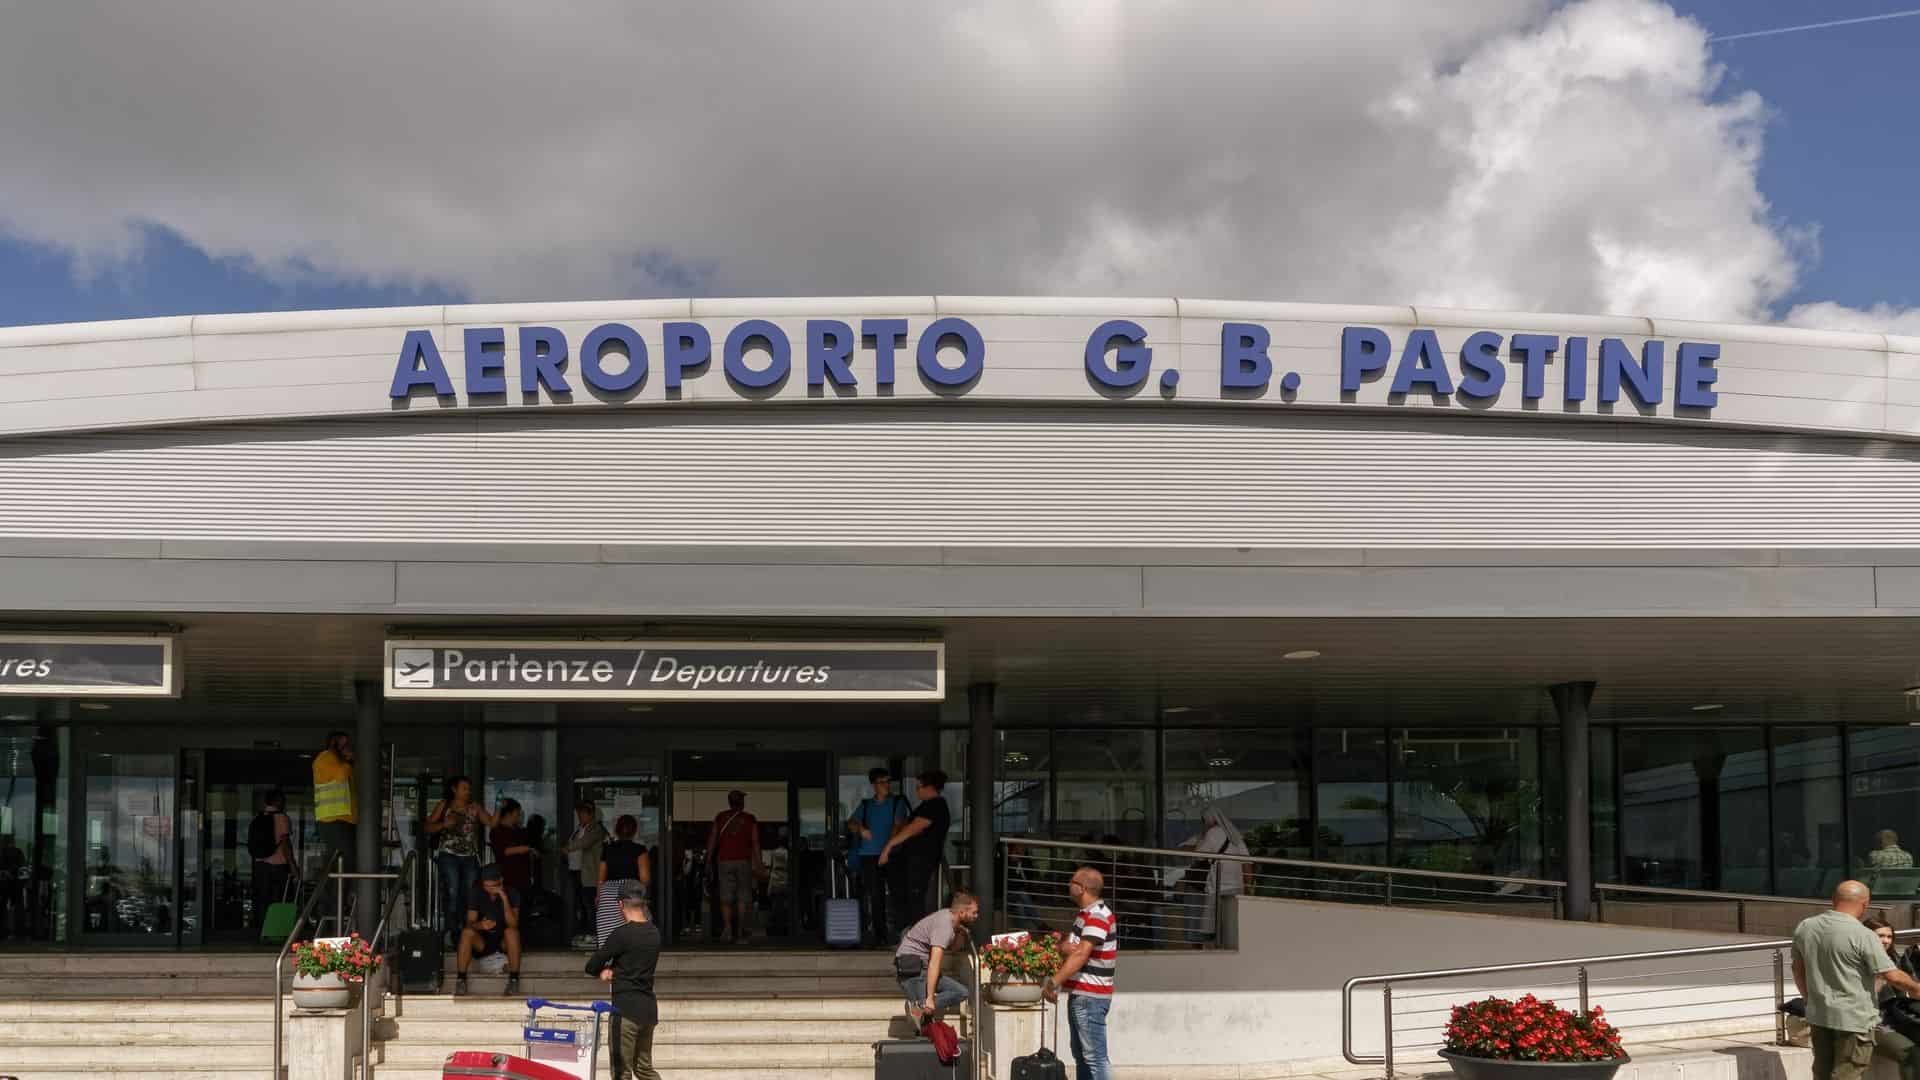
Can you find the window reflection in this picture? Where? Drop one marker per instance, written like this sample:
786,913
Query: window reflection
1693,807
1350,794
1257,778
1467,801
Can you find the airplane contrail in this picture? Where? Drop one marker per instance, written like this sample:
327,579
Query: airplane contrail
1817,26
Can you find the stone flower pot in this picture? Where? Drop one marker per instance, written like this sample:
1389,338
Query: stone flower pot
1479,1068
328,991
1015,990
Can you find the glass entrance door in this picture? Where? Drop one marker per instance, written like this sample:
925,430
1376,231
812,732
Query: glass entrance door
786,796
235,790
131,888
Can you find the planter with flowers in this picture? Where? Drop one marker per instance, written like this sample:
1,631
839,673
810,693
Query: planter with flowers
328,973
1528,1039
1016,967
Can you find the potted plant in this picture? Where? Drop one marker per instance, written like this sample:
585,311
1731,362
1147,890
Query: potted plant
1017,965
328,973
1497,1039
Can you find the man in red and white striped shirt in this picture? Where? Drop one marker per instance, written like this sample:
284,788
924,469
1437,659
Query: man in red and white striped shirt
1087,974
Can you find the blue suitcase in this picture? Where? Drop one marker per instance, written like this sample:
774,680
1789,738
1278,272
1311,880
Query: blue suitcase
840,915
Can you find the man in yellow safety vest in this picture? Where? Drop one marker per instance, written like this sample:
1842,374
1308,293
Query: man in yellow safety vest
333,807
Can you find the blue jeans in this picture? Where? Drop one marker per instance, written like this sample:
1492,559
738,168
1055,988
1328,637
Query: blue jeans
1087,1023
947,993
458,875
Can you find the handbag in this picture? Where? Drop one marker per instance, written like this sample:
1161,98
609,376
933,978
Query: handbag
277,921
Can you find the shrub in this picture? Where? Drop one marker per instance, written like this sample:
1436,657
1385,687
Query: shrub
1530,1030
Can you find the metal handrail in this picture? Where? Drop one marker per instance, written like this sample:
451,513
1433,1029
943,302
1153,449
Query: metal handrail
1305,864
1738,900
332,868
406,875
1581,963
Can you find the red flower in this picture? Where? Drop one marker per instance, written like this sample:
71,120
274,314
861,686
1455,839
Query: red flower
1529,1029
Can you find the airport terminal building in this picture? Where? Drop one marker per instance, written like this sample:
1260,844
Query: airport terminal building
1385,585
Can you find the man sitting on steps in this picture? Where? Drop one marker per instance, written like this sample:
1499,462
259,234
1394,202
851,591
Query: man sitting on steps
493,924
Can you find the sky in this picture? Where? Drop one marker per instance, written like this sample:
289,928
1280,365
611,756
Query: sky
1578,156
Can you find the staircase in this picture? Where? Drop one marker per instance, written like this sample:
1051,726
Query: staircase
750,1015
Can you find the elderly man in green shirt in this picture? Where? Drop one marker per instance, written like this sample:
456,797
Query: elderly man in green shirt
1838,964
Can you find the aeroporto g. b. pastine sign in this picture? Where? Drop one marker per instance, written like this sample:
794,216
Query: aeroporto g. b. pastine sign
756,357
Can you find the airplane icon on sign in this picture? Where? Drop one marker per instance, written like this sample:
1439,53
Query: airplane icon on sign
412,669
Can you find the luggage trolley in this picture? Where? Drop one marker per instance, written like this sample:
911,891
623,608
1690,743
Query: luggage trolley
557,1048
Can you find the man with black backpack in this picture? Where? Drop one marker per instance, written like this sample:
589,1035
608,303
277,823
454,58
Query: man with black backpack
270,843
873,822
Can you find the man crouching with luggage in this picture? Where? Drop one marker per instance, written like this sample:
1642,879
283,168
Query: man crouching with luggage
493,925
627,961
917,962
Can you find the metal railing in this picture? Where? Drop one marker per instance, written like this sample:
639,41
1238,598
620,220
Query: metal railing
341,927
1174,897
1741,913
405,885
331,869
1580,965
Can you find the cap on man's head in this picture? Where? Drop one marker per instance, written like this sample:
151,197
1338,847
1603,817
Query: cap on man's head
490,873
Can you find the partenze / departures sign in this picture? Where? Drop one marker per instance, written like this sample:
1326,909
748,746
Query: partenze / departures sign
707,671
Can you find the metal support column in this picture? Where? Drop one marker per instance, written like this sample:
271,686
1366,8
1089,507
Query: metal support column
1576,748
981,760
368,789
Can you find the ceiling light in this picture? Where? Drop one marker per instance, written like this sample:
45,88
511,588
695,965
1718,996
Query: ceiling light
1177,709
1300,654
639,708
95,706
1712,707
1220,761
1015,758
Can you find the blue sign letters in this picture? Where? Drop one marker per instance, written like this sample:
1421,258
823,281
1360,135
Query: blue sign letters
950,356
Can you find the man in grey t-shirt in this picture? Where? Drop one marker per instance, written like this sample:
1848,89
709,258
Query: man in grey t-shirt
1837,965
917,961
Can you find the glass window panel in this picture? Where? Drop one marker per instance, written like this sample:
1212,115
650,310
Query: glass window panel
33,863
1605,798
1468,800
1808,848
1693,806
1350,794
1885,798
522,765
1258,778
1022,801
1105,783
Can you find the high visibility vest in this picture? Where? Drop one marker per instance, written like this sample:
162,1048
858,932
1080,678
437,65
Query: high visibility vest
332,788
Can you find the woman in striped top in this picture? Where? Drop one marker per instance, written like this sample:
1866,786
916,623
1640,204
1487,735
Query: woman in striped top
1087,974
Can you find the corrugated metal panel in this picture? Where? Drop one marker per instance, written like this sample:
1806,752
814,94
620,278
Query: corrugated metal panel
968,475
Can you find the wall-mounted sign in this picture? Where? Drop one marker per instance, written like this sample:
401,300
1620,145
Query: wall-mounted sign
61,665
666,670
756,359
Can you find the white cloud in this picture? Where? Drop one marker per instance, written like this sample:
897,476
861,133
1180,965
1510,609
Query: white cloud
1879,318
1494,154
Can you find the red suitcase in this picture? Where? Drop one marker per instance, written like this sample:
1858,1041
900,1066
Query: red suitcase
497,1066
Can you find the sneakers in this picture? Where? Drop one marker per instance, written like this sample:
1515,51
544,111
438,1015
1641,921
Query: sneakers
460,988
513,985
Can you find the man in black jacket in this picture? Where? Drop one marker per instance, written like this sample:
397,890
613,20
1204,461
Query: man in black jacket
627,961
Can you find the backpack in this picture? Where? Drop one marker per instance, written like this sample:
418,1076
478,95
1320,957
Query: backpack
261,841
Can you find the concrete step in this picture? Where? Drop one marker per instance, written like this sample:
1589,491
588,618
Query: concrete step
484,1033
148,1071
158,1009
21,1058
738,960
864,1071
674,1055
863,1007
125,1032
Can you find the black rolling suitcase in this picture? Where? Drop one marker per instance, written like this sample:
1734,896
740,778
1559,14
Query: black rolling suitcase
420,960
1042,1064
914,1059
